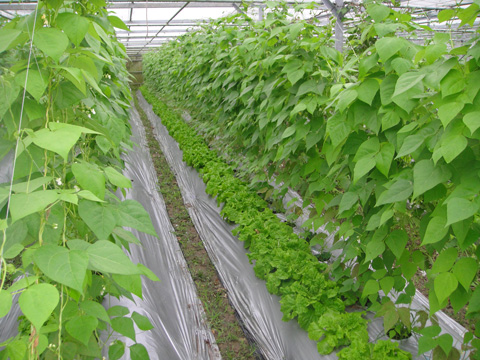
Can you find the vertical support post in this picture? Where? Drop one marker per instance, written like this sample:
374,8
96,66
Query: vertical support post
260,12
339,27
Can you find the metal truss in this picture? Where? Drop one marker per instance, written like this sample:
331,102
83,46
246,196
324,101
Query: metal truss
149,29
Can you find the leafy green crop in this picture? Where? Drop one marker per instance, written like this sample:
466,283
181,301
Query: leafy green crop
382,350
64,100
383,140
334,330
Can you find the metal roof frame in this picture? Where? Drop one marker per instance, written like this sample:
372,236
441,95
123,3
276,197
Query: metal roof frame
150,31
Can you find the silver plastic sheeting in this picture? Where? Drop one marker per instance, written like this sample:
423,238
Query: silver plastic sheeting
172,305
9,323
6,168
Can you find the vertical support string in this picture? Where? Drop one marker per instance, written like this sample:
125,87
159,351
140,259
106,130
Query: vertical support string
21,112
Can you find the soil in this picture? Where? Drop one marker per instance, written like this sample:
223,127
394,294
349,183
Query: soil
226,328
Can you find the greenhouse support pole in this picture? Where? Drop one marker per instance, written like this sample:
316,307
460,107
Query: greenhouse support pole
260,13
339,27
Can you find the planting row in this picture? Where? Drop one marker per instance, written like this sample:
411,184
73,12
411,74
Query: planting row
382,141
281,258
64,100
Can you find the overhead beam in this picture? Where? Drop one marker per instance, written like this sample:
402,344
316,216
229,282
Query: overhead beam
169,21
7,15
139,4
165,22
147,41
124,33
168,5
18,6
133,37
289,2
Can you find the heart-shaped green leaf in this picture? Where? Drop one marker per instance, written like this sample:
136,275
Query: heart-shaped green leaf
82,327
65,266
38,302
51,41
445,284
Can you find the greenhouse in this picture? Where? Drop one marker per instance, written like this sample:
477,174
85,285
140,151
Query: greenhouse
210,179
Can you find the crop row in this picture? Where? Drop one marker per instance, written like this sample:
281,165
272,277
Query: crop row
64,111
281,258
382,141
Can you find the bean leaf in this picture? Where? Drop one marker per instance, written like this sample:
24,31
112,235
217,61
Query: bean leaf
445,260
116,350
383,159
396,241
389,46
22,205
75,26
472,120
399,191
82,327
109,258
116,178
99,218
459,209
8,37
35,84
124,326
426,176
142,321
5,302
51,41
65,266
90,178
95,309
445,284
447,112
465,270
38,302
407,81
138,352
436,230
371,287
132,214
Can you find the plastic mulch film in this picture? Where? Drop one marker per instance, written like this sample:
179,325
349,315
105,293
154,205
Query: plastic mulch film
172,305
258,309
8,323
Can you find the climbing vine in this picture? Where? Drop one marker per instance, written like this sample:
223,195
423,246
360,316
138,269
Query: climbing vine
64,100
381,142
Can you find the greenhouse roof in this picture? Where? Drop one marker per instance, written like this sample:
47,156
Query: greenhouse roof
153,22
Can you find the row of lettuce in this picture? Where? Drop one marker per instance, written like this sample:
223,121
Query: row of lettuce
382,141
64,109
281,258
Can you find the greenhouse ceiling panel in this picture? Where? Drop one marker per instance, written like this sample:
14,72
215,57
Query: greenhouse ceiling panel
154,22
